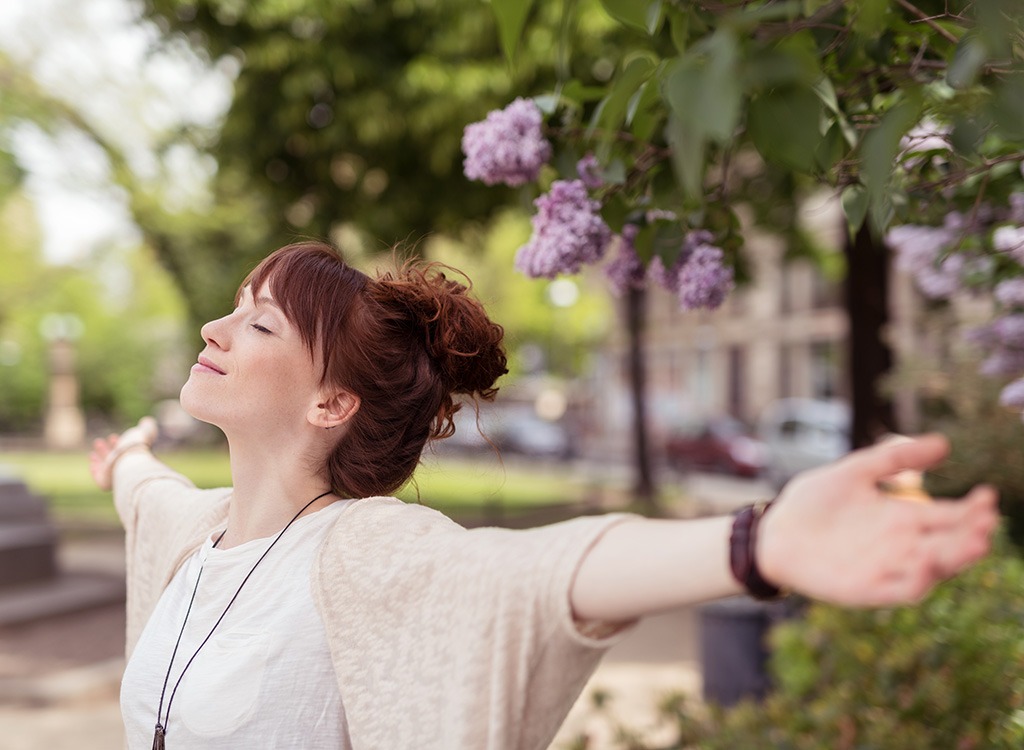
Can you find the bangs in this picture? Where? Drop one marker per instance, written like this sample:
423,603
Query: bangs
315,288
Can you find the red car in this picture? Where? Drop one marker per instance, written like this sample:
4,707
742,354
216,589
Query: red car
721,444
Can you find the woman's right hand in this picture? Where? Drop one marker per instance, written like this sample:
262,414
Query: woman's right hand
106,451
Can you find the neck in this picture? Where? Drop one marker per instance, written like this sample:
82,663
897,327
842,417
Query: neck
271,484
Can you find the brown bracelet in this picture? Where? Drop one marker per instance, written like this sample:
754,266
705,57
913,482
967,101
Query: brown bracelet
742,549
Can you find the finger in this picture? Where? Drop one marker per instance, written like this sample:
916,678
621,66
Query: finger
885,459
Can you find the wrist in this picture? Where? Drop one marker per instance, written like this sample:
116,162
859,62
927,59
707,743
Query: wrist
122,448
746,553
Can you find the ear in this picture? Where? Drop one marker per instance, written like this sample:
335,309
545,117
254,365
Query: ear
334,411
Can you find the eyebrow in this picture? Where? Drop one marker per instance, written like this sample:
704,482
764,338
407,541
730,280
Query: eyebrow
267,300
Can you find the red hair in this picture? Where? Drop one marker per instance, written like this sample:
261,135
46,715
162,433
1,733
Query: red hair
404,343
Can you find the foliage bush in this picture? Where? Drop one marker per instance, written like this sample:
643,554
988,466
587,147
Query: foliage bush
947,674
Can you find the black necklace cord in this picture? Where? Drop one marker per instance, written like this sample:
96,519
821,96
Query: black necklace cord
162,719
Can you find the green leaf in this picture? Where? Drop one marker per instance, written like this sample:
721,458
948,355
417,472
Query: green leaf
576,92
643,113
614,212
634,13
968,58
546,103
612,110
644,243
869,20
779,11
785,126
1006,107
614,173
855,206
687,156
827,93
511,16
966,135
831,149
703,89
880,148
679,27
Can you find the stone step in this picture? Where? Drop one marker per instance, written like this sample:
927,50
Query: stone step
69,592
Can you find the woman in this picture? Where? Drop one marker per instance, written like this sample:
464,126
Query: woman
303,607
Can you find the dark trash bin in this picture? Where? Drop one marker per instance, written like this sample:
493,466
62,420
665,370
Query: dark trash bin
734,648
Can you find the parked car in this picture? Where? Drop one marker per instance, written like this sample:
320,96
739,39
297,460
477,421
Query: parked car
801,434
722,444
522,431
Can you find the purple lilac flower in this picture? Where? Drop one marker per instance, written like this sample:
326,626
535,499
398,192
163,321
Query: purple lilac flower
704,280
626,270
1003,362
1013,395
660,214
507,147
1010,330
1017,208
1010,293
589,171
984,336
668,277
917,247
1009,239
944,281
568,231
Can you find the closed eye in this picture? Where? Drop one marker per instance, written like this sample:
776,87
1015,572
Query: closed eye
260,328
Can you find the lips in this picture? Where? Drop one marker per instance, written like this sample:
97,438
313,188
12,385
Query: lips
210,365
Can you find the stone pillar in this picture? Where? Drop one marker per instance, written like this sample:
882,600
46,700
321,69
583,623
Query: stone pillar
65,423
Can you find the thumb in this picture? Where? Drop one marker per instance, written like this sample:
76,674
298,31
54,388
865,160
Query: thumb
891,457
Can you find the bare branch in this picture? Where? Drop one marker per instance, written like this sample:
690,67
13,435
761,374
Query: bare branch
925,18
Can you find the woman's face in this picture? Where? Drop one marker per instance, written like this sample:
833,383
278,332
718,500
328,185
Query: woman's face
255,374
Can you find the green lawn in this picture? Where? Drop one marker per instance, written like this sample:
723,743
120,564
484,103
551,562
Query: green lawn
460,487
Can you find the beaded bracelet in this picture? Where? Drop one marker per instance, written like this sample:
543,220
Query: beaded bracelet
742,552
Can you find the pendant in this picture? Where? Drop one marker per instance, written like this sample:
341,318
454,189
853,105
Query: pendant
158,737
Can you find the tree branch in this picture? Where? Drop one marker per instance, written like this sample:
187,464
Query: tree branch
925,18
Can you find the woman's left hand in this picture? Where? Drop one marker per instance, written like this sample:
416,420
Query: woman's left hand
105,451
834,535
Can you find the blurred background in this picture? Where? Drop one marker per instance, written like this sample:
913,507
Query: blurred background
151,153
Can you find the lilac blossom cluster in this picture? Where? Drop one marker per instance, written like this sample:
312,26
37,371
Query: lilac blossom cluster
921,251
941,270
626,271
699,277
589,171
508,147
568,232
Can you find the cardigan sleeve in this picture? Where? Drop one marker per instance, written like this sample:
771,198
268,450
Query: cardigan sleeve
447,638
164,517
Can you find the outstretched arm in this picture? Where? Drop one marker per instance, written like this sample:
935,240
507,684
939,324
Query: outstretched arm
106,451
832,535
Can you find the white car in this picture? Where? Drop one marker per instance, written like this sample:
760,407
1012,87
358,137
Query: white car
802,433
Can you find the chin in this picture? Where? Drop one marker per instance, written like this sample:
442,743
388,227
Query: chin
195,405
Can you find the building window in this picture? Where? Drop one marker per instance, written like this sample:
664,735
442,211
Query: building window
737,362
824,369
785,371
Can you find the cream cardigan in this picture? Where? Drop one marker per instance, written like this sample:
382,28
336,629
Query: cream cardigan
442,638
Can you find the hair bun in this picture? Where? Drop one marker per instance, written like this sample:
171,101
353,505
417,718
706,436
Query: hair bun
463,343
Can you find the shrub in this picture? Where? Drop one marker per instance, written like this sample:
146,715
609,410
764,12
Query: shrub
947,674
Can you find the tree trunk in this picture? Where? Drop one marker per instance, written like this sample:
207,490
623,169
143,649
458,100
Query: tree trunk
643,488
870,358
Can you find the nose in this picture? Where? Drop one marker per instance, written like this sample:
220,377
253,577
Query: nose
216,333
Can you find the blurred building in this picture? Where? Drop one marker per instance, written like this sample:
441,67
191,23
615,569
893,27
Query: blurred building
783,335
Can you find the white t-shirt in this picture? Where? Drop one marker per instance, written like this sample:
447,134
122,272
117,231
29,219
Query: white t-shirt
265,678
